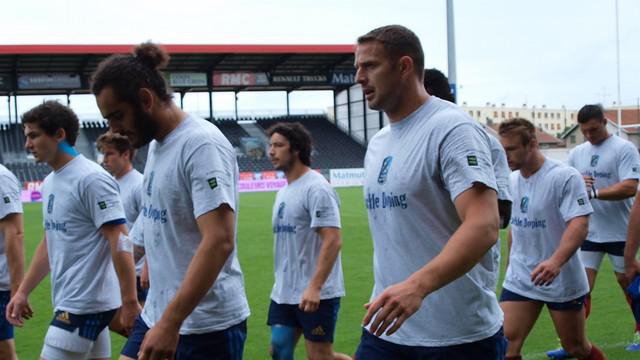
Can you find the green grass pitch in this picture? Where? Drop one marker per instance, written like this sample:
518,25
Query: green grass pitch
610,325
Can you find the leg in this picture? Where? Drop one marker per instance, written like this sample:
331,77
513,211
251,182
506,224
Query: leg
519,318
323,351
101,349
8,350
63,344
283,341
591,255
569,324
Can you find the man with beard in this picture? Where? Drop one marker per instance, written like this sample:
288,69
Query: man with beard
196,307
308,272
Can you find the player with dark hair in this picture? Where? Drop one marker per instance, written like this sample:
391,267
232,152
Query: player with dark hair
196,307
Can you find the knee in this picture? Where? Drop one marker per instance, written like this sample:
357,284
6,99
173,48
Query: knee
282,342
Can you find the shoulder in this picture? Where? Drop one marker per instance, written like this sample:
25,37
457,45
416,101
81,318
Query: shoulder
559,172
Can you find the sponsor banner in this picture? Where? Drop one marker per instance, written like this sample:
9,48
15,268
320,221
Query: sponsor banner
240,79
5,82
346,177
49,81
262,185
184,79
343,78
262,175
31,191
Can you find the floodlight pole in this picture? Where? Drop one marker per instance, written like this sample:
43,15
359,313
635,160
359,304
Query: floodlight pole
451,51
618,70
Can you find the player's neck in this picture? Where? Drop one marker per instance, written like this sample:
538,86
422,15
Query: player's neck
296,171
409,101
532,166
60,160
124,171
168,118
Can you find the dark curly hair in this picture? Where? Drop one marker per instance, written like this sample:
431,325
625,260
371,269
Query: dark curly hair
298,136
127,74
51,116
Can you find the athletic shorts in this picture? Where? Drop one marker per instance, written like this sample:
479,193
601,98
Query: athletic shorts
226,344
575,304
72,336
6,329
373,348
591,254
318,326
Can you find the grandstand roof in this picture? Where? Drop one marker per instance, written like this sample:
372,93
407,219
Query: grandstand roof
63,69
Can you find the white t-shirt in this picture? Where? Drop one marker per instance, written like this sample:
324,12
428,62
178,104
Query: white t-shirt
9,204
131,193
544,203
192,171
77,200
414,170
610,162
300,209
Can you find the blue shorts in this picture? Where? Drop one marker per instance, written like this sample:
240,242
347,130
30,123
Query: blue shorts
142,292
614,248
6,329
318,326
217,345
90,325
575,304
373,348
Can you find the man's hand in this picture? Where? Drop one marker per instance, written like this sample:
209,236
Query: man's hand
588,181
545,272
395,305
128,314
18,310
631,269
310,300
160,342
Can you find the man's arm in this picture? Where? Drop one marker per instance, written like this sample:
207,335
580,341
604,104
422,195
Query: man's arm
573,236
478,210
218,235
12,228
619,191
631,265
331,245
125,270
38,270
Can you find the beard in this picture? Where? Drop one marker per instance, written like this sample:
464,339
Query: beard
144,126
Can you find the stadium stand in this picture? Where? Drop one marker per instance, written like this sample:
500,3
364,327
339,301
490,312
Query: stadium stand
333,149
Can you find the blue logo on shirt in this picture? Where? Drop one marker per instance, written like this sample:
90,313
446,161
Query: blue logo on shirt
384,170
150,183
524,204
281,210
594,160
50,204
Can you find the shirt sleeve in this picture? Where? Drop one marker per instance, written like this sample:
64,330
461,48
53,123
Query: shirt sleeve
101,197
574,201
629,163
324,207
211,178
9,197
465,159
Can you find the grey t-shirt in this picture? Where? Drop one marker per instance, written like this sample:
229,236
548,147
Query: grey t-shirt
9,204
78,199
192,171
300,209
610,162
131,193
544,203
414,170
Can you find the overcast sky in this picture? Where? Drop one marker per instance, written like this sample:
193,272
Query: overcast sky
547,52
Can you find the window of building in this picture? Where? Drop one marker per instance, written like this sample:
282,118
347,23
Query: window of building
546,115
502,113
510,116
572,139
471,113
495,114
517,114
